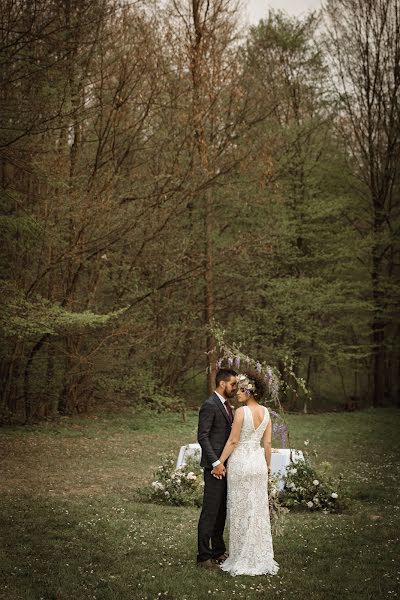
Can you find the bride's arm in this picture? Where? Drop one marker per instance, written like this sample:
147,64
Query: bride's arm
234,437
267,444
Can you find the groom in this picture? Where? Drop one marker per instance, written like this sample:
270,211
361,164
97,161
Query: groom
215,422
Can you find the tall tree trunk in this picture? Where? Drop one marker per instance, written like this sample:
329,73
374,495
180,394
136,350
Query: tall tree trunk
9,375
199,114
50,392
209,291
378,326
27,397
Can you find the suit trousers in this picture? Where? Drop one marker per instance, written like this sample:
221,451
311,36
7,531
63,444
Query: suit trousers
212,518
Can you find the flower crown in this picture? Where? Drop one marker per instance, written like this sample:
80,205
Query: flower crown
246,384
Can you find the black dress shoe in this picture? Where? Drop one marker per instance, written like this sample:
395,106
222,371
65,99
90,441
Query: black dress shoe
220,559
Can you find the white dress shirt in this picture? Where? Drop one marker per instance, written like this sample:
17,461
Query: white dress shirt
223,400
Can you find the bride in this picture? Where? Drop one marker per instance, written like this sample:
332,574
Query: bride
250,542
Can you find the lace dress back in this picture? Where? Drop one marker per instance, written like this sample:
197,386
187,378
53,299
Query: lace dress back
250,540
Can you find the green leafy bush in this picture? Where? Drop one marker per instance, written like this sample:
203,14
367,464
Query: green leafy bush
179,487
141,388
305,488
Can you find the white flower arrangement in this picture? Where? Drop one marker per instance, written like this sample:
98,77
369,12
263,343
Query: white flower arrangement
305,487
246,384
181,486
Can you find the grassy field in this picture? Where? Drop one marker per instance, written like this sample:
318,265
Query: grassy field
72,527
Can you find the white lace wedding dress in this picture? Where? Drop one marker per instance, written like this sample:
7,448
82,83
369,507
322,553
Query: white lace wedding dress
250,541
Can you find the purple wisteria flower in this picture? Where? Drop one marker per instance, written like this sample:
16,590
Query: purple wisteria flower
282,432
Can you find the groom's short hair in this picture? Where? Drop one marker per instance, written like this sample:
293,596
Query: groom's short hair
224,375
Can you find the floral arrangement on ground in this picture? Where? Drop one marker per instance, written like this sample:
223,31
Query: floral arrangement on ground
182,486
305,488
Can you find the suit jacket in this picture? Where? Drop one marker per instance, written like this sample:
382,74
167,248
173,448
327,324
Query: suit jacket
213,430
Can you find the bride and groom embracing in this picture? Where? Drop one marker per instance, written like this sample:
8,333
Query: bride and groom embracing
237,488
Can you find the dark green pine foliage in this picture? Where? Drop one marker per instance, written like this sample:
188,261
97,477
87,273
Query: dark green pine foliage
307,295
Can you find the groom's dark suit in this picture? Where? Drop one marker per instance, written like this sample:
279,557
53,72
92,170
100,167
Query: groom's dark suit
213,431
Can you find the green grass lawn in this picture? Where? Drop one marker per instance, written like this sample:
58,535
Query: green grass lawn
72,527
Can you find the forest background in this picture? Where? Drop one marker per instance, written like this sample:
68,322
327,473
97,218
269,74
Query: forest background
163,169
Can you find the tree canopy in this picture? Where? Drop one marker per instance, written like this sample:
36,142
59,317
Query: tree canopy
163,170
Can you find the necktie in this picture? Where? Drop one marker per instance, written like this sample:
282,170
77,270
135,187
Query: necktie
229,410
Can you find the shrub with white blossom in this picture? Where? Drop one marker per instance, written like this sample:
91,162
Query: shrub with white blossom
178,487
305,488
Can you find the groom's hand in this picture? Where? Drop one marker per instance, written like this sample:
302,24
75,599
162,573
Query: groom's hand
219,471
